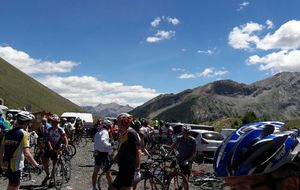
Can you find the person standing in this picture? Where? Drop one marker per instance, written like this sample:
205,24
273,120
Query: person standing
102,147
129,154
56,137
187,149
14,147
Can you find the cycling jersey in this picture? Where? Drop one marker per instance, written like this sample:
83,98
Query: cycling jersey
102,143
15,141
55,136
129,144
186,147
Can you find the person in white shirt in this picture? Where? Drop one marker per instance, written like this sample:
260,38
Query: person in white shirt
102,147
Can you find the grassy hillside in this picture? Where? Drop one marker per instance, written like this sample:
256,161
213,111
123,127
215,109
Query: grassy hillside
19,90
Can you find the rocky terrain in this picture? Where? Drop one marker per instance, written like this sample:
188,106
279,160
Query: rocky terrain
275,98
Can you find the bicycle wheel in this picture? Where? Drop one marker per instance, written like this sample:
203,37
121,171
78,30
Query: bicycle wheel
178,182
102,181
153,183
59,175
68,171
71,150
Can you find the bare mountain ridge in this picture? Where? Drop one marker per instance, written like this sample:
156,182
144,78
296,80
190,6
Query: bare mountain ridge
276,97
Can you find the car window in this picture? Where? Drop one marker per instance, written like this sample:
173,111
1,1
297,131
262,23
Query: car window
212,136
194,134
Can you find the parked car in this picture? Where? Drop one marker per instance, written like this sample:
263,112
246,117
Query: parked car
227,132
207,141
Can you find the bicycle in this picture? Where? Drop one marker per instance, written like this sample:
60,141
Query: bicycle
170,174
108,175
148,180
80,139
61,171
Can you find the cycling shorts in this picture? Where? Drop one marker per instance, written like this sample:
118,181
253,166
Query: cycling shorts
124,178
50,154
186,169
102,159
14,178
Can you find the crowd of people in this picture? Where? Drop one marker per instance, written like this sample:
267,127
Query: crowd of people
254,156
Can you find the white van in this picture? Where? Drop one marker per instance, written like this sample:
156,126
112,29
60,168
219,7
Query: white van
86,118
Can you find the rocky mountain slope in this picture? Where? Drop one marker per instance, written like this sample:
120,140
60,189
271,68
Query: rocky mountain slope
108,110
277,97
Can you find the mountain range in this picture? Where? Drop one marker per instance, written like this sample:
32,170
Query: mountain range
108,110
275,98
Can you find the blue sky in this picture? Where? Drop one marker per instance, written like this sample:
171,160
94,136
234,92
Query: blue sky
128,52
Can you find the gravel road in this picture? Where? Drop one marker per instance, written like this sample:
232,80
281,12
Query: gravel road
82,168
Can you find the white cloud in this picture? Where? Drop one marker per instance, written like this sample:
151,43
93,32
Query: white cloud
243,5
278,61
158,20
212,72
155,22
243,37
282,45
270,24
178,69
161,35
29,65
207,73
208,52
87,90
187,76
173,21
286,37
83,90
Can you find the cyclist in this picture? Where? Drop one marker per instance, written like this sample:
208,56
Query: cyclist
10,120
144,132
129,154
136,125
56,137
187,149
4,124
15,146
43,131
255,157
78,126
102,148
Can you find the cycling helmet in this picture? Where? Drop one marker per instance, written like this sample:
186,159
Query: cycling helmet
106,123
125,118
25,116
136,124
186,129
9,115
55,118
255,149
